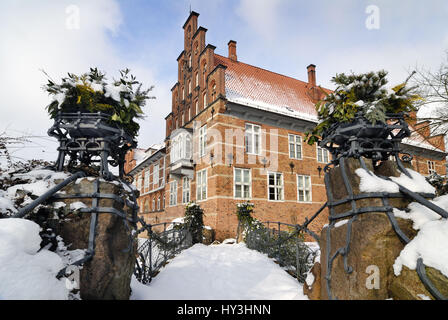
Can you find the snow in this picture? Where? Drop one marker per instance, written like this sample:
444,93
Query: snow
341,223
26,272
220,272
309,279
430,245
423,297
372,183
77,205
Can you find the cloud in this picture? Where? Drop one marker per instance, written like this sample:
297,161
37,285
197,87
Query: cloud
48,35
262,16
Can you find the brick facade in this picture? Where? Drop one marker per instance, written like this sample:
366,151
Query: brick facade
201,97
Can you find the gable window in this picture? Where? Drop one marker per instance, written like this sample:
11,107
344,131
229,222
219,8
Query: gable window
275,186
173,193
197,79
431,167
252,138
242,183
322,155
202,140
201,185
197,106
204,101
295,146
185,190
303,188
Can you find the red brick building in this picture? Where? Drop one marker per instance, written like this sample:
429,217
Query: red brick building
235,133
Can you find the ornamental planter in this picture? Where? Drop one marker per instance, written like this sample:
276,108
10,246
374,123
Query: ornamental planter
84,136
362,138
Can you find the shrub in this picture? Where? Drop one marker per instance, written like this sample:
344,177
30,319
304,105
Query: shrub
194,221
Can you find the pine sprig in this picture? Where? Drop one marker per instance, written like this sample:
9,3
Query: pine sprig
122,99
363,93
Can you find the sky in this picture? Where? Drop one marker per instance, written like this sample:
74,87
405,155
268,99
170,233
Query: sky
283,36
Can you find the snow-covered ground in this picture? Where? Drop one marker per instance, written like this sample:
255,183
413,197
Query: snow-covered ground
220,272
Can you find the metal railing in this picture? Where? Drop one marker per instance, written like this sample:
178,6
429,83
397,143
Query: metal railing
164,241
284,243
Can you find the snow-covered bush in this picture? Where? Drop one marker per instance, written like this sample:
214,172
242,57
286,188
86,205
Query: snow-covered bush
122,99
364,94
194,221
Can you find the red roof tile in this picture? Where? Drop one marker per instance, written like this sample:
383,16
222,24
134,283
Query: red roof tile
263,89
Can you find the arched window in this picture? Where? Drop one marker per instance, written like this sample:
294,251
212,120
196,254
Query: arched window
197,79
204,100
213,90
146,205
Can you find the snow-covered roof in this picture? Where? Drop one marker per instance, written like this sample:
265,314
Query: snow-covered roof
267,90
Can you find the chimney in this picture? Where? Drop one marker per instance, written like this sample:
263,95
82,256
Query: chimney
311,75
232,50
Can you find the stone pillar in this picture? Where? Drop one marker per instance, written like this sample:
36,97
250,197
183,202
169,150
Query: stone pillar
108,275
373,243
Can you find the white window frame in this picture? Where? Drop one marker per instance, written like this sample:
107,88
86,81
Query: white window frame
431,167
250,146
304,188
276,187
202,140
146,179
186,187
201,185
173,193
322,151
155,176
139,182
242,183
296,145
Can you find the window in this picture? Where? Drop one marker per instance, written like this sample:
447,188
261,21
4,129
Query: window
201,185
189,113
155,177
180,147
202,140
197,79
146,180
146,209
183,94
295,146
197,106
139,182
275,186
303,188
213,91
183,119
158,203
173,193
153,204
252,138
189,87
204,101
242,183
185,190
189,61
431,167
322,155
163,203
